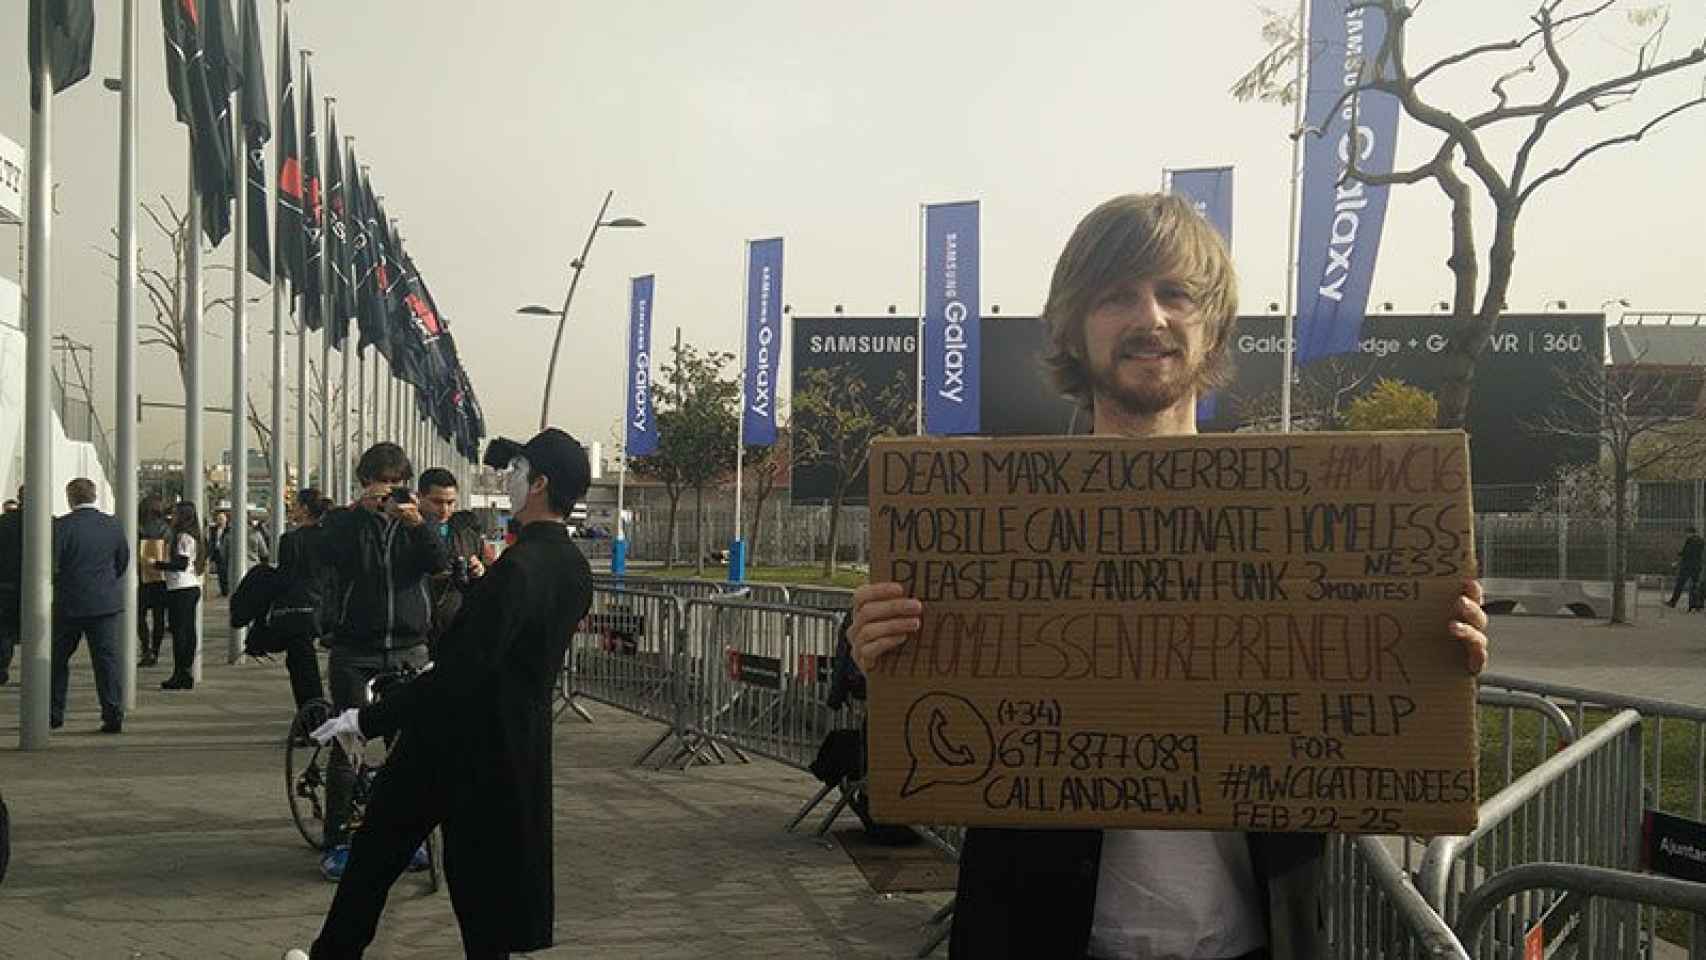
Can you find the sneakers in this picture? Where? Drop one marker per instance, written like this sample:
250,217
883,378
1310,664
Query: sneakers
295,954
332,865
418,862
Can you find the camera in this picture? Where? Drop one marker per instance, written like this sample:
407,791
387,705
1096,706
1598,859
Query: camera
460,572
401,495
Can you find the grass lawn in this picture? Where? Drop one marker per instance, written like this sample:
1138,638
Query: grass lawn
809,576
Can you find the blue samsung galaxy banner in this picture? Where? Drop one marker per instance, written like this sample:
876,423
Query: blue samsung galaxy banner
1339,231
951,371
763,341
1209,189
641,419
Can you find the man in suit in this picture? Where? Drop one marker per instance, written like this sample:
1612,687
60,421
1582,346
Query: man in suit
11,584
90,554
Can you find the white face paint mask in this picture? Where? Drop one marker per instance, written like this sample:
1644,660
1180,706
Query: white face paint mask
517,486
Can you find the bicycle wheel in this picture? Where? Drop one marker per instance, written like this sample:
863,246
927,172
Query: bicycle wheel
435,860
305,772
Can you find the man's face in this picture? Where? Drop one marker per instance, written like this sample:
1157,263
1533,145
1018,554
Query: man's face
438,503
1144,346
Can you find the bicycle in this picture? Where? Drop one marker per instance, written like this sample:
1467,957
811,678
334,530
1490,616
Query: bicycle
305,775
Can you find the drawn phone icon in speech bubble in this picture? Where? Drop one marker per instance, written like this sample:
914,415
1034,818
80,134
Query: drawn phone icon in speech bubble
948,741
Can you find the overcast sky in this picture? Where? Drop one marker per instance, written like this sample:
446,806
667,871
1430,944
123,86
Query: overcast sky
493,136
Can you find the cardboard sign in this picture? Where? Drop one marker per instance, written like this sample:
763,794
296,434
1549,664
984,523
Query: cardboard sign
1242,632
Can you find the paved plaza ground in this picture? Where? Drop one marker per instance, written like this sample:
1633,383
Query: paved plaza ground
173,839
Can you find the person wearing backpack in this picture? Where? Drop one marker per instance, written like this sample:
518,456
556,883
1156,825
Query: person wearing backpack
308,579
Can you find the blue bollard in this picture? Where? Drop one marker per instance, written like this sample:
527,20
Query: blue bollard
619,556
737,561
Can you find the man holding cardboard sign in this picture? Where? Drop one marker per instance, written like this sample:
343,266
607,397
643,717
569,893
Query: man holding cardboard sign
1147,629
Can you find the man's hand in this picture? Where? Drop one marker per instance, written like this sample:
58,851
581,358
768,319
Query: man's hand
408,513
476,569
1469,624
373,495
883,617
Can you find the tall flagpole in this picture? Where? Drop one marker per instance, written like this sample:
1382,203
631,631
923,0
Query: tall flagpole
1291,229
125,484
302,401
361,438
37,598
326,476
737,550
280,472
195,477
239,558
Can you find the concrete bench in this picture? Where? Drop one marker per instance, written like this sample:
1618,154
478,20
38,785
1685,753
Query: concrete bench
1582,598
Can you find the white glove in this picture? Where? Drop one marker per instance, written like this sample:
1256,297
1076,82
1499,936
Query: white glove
346,728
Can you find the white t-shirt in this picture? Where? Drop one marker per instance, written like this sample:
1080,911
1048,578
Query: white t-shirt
1175,895
186,578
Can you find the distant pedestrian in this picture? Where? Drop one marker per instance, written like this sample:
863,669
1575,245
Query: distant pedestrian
11,584
183,593
90,554
1688,570
10,506
153,535
215,544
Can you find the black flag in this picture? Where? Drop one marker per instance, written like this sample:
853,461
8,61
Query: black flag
290,203
70,42
201,82
257,130
313,211
338,243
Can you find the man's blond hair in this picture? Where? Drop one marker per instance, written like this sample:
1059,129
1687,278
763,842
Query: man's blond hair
1139,237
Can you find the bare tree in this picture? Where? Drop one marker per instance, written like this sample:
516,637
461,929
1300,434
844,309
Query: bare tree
764,470
1638,415
165,288
316,391
1320,399
1469,135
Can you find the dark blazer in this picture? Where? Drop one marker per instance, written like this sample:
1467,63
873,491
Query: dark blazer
90,554
1032,893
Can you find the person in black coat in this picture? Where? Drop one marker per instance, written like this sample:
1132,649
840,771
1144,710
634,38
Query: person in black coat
11,584
90,554
301,561
474,746
1688,568
153,534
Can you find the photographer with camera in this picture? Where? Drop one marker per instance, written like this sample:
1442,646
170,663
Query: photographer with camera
384,555
460,531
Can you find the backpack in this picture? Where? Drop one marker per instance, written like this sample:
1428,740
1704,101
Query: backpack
276,608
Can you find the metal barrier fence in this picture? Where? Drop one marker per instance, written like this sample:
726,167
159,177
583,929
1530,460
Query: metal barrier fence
1581,806
1673,758
625,654
1374,912
760,676
821,598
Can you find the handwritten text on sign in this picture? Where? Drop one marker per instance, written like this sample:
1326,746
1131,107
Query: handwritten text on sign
1242,632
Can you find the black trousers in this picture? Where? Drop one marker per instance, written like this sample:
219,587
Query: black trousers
151,618
409,800
180,610
1690,579
304,667
9,615
102,632
349,670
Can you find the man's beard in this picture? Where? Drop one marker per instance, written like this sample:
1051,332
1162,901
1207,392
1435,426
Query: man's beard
1152,394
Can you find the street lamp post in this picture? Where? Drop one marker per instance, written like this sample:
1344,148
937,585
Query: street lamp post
578,264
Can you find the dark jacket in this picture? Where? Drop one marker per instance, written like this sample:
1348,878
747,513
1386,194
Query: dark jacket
480,722
462,539
1693,550
90,554
382,566
11,568
313,581
1032,893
